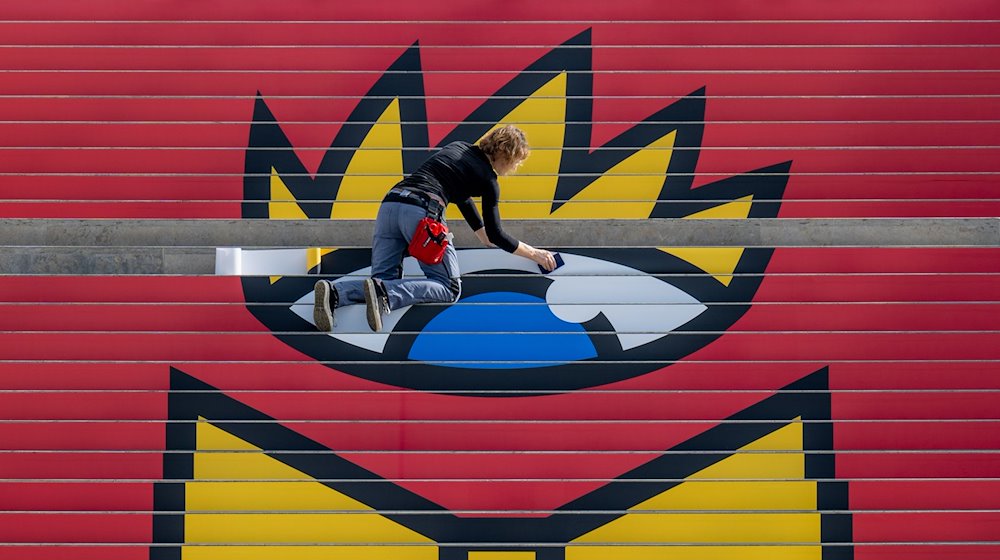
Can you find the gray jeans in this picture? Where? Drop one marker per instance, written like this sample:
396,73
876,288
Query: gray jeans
394,227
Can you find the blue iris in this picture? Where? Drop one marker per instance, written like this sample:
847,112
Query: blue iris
540,335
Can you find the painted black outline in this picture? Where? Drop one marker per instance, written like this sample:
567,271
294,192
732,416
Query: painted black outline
578,169
270,147
733,302
808,399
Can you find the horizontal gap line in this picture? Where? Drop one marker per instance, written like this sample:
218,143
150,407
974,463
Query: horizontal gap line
272,22
113,480
504,545
478,275
884,391
533,148
673,333
183,362
386,175
634,124
464,47
488,304
211,248
41,96
698,275
480,72
474,275
505,201
658,452
484,512
404,422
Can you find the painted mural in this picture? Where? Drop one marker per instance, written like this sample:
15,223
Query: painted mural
639,402
644,172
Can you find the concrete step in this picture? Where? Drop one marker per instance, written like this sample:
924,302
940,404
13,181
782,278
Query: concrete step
70,246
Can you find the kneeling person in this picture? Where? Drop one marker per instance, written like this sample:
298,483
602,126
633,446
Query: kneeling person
457,173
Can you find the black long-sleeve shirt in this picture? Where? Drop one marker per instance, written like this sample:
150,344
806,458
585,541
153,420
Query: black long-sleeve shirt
458,172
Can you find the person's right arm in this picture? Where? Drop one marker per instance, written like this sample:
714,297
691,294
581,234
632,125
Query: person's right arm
470,213
494,233
544,258
491,221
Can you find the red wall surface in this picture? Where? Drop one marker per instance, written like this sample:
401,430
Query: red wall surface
130,110
884,108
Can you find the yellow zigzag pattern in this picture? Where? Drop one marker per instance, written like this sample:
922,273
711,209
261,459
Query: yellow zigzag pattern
237,481
629,190
745,506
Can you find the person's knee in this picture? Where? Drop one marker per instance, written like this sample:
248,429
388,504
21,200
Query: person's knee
455,288
393,274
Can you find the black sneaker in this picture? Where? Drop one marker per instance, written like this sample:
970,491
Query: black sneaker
324,305
377,301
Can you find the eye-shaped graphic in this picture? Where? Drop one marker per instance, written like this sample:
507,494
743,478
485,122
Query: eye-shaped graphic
513,329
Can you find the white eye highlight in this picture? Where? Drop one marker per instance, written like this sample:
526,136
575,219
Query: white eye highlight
641,308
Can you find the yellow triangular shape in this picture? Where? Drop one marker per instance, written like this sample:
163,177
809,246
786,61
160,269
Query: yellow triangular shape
528,193
375,167
743,507
628,190
241,495
720,262
282,205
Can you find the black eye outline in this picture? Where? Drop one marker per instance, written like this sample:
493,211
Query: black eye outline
271,304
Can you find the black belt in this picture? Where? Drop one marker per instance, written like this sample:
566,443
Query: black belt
417,198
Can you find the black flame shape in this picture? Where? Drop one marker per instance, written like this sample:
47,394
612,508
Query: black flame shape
270,148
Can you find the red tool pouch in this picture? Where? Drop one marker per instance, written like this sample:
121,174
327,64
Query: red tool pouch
429,241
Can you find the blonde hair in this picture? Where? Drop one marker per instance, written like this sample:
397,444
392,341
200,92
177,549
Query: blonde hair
508,142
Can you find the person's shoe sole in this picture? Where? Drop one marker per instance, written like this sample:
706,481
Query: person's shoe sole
371,300
322,314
